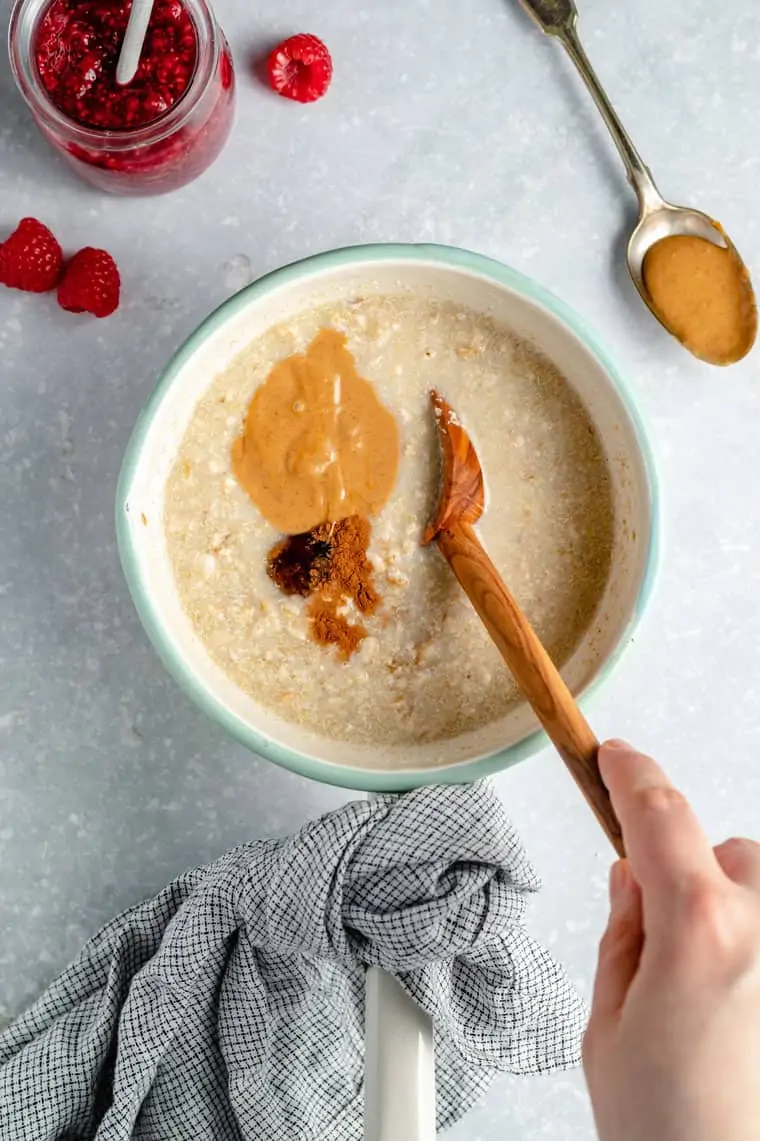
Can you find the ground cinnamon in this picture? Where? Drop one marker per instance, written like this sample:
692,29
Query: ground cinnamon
329,565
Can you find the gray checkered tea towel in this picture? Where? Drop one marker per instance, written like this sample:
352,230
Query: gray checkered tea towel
231,1006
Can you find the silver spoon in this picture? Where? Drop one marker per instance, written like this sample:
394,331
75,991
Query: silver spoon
657,218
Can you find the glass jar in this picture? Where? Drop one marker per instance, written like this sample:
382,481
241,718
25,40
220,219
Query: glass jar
151,158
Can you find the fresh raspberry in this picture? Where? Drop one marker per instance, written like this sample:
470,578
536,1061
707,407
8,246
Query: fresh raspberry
300,68
90,284
31,258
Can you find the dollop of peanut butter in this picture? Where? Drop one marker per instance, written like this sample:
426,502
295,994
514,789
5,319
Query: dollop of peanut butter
703,294
317,445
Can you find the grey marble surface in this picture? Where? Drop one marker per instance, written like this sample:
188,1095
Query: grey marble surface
452,121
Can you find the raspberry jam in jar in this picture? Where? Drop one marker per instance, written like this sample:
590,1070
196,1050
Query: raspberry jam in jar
152,135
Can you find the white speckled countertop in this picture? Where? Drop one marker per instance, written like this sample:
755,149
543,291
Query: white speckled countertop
451,121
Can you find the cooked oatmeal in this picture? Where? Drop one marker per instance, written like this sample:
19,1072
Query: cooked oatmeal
427,669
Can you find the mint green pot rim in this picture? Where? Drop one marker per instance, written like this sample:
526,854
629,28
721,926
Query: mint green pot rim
373,780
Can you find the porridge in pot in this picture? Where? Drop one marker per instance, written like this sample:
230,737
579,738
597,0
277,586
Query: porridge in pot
410,661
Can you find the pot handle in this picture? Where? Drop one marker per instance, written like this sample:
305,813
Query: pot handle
399,1076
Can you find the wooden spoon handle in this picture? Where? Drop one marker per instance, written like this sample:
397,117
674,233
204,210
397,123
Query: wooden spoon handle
532,668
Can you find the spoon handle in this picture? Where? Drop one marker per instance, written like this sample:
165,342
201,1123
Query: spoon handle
559,18
532,668
134,40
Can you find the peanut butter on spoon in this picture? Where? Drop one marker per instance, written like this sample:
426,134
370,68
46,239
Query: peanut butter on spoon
702,293
317,445
698,287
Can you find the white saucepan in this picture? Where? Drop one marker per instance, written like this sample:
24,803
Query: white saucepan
400,1093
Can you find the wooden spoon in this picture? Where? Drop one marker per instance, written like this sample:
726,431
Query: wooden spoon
462,503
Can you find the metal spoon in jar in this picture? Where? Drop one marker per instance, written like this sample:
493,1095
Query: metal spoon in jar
683,317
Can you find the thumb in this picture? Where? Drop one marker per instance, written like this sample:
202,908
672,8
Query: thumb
621,945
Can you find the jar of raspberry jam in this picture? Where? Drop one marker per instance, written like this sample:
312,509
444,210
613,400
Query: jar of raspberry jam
153,135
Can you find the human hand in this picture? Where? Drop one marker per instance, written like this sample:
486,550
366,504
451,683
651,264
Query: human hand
672,1051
